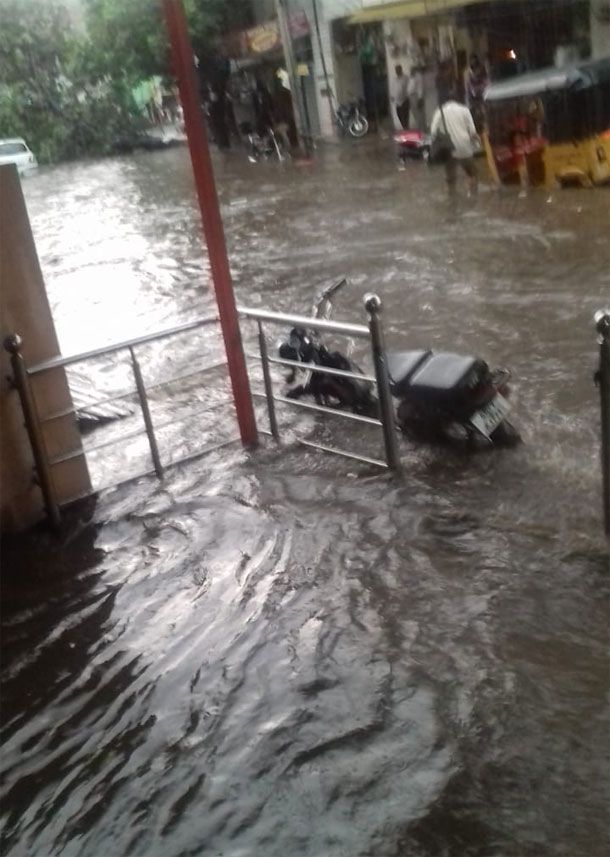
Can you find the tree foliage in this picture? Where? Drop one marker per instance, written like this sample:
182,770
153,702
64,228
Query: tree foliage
56,89
132,32
69,92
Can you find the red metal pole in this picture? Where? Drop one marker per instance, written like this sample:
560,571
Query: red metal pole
184,69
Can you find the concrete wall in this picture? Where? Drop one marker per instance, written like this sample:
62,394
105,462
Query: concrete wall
348,77
263,10
322,48
344,76
24,309
339,8
600,28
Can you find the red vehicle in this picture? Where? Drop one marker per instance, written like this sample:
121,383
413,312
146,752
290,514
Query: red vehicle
412,144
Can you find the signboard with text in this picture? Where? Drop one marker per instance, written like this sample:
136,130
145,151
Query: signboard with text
265,38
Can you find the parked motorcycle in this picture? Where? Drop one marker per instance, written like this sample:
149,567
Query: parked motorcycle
350,119
441,396
259,146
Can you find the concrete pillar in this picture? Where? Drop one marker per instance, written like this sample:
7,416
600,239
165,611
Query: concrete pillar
24,309
324,47
400,49
600,28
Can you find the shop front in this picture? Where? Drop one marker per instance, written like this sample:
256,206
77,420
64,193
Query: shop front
257,58
436,39
361,70
526,35
428,39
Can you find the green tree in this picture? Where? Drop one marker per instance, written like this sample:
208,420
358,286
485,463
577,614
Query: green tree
70,93
132,32
56,89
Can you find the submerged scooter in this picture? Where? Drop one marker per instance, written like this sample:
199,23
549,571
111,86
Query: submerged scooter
263,146
410,145
440,396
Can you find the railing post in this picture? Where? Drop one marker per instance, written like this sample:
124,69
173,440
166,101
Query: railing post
32,425
602,323
150,431
373,307
262,344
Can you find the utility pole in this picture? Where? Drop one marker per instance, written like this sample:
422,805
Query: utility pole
329,93
299,107
184,70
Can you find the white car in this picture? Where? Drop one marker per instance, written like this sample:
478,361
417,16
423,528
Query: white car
15,151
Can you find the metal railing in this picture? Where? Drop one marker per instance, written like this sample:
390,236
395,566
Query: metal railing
602,323
45,464
373,333
34,422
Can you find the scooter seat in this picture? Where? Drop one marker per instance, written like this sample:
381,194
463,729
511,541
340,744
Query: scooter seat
401,366
442,373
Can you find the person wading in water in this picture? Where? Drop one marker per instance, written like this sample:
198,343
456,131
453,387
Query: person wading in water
455,120
401,96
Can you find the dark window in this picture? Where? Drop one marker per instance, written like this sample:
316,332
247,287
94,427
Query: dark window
12,148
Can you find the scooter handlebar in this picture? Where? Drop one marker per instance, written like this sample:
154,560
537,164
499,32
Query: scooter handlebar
327,294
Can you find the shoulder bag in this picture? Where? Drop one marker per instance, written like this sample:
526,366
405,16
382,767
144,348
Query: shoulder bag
441,148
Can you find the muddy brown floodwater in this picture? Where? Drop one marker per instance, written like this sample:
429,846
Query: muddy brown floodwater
278,653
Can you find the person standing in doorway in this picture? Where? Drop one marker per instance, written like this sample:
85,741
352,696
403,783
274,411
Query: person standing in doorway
242,101
401,96
475,83
283,109
455,120
263,107
416,98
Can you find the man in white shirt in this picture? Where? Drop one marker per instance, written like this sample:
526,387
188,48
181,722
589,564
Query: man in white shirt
416,98
456,120
401,96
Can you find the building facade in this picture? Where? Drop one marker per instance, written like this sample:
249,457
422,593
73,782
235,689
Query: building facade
600,28
350,48
510,36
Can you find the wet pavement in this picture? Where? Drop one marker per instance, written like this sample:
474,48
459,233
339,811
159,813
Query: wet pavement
284,654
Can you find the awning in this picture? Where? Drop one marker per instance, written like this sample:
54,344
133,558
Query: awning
574,77
406,9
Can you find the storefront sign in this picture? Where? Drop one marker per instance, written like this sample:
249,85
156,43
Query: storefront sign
262,39
265,38
373,11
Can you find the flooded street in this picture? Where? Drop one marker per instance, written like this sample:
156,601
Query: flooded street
283,654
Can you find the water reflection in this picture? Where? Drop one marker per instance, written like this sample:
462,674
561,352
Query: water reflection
274,655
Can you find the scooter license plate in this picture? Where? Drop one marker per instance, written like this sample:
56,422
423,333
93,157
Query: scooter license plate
490,417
